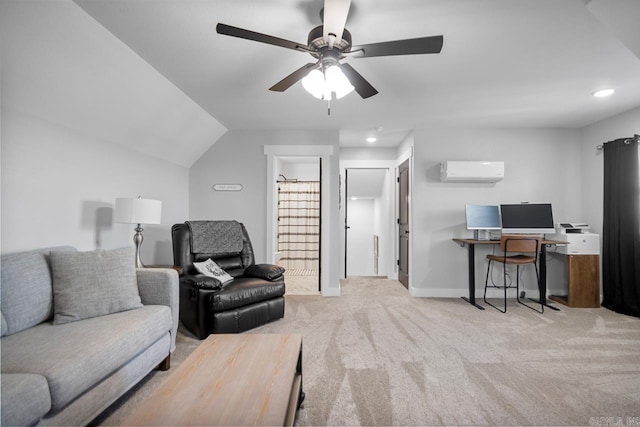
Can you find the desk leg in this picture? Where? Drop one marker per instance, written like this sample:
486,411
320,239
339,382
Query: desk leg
542,286
301,394
472,277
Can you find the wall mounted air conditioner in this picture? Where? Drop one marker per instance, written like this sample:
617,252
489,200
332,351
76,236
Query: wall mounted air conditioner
471,171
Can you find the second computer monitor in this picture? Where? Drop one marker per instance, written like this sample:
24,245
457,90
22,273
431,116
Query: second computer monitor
527,218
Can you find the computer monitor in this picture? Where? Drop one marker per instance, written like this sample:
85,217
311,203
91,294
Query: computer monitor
482,217
527,218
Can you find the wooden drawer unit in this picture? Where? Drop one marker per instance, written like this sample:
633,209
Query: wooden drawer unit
582,275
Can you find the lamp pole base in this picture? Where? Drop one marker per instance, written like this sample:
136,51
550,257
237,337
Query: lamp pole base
137,239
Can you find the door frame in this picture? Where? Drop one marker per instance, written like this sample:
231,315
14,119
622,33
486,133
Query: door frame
325,153
392,166
318,163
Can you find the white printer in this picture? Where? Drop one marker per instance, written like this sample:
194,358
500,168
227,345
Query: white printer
581,241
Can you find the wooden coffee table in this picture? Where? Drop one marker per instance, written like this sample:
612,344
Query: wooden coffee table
239,379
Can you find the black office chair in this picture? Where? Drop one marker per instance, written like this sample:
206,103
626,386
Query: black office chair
514,247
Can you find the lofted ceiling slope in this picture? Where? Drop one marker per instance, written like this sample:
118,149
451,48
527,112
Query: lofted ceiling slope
59,65
505,63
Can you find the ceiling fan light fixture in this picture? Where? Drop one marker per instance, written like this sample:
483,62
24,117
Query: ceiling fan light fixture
329,43
338,82
314,83
322,86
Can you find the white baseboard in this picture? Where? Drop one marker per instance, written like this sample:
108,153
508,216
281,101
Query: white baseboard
330,292
434,293
457,293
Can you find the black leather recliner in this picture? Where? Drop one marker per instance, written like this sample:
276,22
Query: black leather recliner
253,298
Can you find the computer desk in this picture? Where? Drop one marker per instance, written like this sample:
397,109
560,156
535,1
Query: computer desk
542,286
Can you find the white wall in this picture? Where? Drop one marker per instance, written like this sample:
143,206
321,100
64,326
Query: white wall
302,171
71,144
405,147
84,121
540,166
59,188
368,154
384,225
238,157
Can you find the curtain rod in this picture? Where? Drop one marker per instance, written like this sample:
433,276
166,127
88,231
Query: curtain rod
626,141
285,179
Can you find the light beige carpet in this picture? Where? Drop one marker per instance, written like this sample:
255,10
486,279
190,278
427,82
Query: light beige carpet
376,356
301,285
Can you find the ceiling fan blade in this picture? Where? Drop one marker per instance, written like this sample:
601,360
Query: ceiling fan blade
241,33
334,19
293,78
432,44
363,87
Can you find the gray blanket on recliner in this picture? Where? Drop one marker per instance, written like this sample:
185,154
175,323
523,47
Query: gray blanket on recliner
215,237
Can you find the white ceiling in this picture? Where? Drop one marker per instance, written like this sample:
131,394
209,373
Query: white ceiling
365,183
505,63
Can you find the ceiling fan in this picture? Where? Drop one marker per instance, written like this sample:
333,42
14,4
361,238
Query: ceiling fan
329,44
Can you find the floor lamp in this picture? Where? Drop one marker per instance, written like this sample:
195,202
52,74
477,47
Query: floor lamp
138,211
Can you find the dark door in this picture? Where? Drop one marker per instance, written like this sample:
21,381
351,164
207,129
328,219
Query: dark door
403,224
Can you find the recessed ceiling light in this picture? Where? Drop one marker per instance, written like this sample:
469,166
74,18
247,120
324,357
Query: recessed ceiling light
603,93
372,139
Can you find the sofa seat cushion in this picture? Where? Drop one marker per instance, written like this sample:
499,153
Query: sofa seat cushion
75,356
25,399
245,291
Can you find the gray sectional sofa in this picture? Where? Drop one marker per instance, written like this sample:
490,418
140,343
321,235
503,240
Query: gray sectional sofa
79,329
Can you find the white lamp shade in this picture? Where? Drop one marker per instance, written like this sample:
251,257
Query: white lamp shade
138,211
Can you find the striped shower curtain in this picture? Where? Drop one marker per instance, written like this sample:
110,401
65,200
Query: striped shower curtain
299,224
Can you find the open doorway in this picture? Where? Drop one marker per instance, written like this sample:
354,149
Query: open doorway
369,226
298,223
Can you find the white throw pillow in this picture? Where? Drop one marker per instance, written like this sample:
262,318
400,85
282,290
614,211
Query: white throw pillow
211,269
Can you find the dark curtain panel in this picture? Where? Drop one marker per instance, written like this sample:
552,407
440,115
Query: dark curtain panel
621,229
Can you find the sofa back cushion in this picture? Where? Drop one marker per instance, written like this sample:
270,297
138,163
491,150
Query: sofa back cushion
26,289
